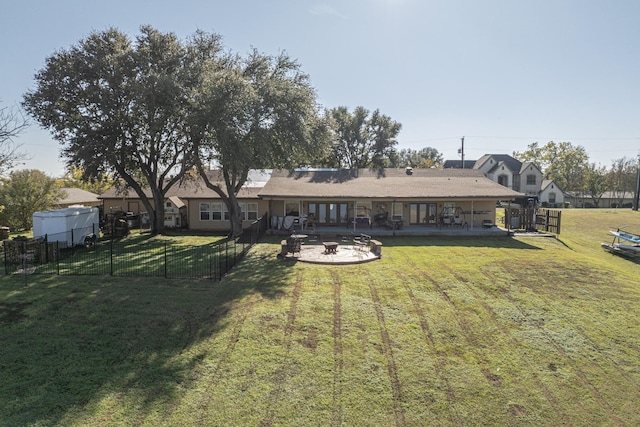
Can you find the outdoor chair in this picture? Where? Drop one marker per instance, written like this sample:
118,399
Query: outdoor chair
362,242
457,221
294,245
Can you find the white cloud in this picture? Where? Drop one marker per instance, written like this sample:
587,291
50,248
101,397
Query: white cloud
324,9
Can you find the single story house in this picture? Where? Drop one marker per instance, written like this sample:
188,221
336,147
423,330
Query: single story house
334,197
77,197
355,197
609,199
192,205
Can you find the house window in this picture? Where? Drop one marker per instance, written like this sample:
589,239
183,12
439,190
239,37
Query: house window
552,198
168,205
292,209
248,211
216,211
210,211
252,211
205,214
531,180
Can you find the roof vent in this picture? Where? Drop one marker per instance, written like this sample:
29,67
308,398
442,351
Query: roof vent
409,170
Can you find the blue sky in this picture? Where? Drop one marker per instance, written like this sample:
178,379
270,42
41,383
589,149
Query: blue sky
501,73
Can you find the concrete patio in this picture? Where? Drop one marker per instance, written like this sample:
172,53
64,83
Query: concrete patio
343,255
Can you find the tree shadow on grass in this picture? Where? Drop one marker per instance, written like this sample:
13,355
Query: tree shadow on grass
72,343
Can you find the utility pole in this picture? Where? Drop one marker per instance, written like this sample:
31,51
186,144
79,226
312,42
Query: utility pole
462,152
637,197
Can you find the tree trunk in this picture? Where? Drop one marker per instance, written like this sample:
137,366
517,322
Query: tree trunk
235,216
157,221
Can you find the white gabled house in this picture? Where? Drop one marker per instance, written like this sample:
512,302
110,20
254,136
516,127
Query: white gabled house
523,177
512,173
551,195
174,212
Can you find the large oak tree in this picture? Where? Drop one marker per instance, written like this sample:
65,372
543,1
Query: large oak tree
562,162
151,110
117,106
361,140
257,112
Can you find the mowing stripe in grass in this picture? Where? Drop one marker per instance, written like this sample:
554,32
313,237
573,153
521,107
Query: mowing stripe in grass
223,361
392,369
338,357
595,328
593,350
476,347
441,359
568,360
280,373
514,343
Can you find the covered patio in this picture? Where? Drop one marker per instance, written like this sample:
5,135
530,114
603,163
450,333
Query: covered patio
385,202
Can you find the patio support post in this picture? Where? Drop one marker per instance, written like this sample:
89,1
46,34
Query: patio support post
355,211
473,212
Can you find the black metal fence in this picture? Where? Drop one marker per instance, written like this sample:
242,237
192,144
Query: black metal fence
119,258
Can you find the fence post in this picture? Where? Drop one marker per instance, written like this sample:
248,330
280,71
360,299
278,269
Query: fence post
111,256
558,224
165,260
546,220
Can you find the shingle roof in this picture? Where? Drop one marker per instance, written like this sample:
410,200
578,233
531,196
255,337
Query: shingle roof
75,196
386,183
457,164
195,189
514,165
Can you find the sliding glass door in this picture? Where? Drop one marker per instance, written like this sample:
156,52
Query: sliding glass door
423,213
329,213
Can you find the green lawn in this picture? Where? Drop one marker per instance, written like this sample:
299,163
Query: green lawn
440,331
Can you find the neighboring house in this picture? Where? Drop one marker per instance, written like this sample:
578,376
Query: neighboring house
505,170
609,199
78,197
524,177
415,196
551,195
192,205
175,212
